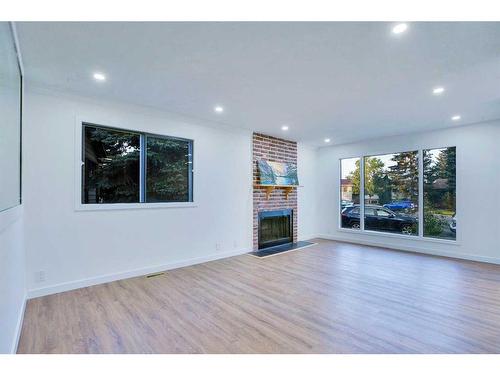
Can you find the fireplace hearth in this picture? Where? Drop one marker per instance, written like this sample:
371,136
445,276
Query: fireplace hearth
275,228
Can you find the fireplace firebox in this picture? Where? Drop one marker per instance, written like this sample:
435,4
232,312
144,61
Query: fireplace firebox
275,228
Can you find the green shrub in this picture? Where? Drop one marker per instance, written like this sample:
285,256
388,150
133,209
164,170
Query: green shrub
433,224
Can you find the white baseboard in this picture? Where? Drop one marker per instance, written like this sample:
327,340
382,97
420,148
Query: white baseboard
308,237
82,283
19,326
414,249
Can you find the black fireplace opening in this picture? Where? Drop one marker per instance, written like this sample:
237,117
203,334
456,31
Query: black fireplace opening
275,228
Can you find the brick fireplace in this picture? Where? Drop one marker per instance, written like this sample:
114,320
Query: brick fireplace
279,150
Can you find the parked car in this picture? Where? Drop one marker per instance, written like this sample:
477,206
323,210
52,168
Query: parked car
453,223
378,218
400,205
344,203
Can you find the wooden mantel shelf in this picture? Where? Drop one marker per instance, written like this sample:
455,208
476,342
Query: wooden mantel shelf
270,189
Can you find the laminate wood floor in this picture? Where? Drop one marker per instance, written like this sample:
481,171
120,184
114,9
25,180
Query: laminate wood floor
330,298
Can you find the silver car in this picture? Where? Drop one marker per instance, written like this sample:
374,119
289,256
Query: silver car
453,224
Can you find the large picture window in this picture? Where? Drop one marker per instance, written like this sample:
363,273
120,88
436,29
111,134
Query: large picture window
122,166
391,187
391,193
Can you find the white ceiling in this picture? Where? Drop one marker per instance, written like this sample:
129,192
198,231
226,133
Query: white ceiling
345,81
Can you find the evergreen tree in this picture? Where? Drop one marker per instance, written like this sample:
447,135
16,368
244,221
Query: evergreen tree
404,175
446,166
430,169
112,166
167,175
382,187
446,169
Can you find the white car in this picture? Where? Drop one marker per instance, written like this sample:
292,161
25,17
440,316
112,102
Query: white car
453,224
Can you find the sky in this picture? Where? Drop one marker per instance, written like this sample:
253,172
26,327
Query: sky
349,165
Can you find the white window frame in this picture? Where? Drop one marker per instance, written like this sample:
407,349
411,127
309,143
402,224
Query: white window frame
420,236
78,177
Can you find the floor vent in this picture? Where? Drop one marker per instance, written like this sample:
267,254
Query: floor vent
154,275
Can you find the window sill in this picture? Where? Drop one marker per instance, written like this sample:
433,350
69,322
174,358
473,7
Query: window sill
132,206
399,236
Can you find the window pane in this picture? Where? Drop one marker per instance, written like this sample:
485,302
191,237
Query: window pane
440,193
168,172
383,213
391,186
369,211
111,172
349,192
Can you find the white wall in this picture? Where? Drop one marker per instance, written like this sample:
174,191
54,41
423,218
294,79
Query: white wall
12,278
12,252
78,248
75,248
307,202
478,188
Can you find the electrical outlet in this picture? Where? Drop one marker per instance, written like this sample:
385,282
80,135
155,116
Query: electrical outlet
40,276
218,246
235,244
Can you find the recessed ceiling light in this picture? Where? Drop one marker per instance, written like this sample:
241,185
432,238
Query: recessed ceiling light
399,28
456,117
284,128
219,109
327,140
99,76
438,90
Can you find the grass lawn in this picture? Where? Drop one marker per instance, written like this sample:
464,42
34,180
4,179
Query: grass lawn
444,212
